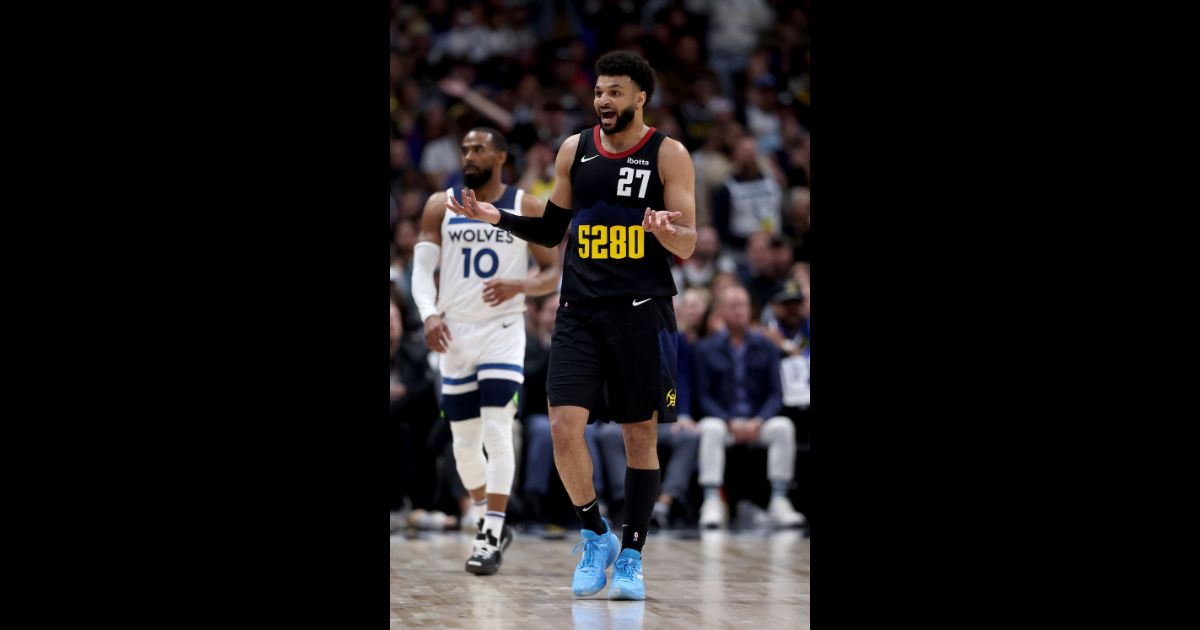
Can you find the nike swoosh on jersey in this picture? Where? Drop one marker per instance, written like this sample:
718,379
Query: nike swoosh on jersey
584,159
637,303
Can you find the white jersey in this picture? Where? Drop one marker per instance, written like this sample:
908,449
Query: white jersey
473,252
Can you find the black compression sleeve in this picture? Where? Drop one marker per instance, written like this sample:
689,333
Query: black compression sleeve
546,230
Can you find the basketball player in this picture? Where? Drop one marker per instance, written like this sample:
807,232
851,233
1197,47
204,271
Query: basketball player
627,193
476,320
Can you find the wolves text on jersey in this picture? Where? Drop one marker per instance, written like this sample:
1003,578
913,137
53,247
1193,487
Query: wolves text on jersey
481,235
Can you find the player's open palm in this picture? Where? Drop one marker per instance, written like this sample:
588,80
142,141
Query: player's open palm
659,221
473,208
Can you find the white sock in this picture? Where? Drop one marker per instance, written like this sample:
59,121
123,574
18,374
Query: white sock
480,508
493,522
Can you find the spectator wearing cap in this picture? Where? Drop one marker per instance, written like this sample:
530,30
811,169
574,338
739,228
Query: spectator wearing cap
786,321
786,325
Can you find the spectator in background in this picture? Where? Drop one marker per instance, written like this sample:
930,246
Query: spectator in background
738,385
706,261
785,323
713,321
769,259
762,117
799,222
411,415
405,237
734,27
800,273
411,202
693,305
538,178
749,201
528,100
714,165
402,169
788,328
793,155
439,157
699,111
394,212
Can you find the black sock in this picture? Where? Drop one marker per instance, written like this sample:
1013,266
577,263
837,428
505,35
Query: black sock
589,515
641,491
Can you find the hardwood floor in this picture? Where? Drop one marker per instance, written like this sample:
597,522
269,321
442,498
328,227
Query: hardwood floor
754,580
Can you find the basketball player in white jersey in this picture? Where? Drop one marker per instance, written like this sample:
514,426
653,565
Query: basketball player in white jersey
475,318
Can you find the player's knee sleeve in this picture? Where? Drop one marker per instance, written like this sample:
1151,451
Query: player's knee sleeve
468,452
497,438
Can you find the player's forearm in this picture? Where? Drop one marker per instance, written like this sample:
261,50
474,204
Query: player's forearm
425,260
547,230
681,242
546,281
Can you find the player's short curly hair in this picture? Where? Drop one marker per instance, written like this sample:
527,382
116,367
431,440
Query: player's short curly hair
623,62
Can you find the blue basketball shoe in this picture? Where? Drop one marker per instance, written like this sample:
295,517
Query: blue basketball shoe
599,552
627,577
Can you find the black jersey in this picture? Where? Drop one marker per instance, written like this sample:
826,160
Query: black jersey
608,253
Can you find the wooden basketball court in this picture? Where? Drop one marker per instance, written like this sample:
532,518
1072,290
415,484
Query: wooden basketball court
715,579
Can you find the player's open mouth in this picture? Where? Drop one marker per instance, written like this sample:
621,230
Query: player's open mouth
608,116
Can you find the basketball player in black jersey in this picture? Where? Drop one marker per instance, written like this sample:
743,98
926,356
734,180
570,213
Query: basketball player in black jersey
626,193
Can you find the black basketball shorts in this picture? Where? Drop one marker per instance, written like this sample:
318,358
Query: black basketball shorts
616,357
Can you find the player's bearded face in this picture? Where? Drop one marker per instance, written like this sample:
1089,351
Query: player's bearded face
610,123
475,176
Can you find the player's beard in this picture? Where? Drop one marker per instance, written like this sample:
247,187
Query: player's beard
622,121
475,179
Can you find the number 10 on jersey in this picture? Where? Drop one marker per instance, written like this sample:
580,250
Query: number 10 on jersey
600,242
